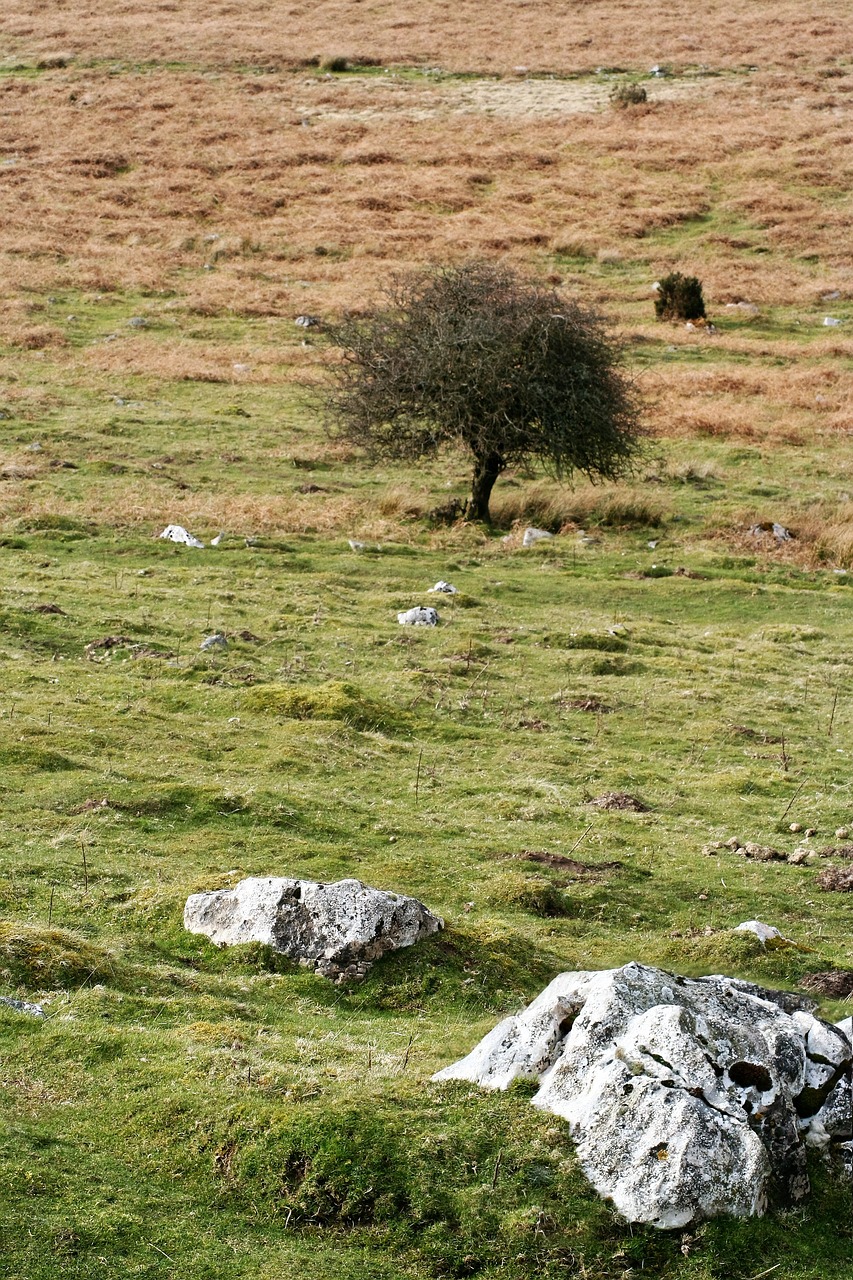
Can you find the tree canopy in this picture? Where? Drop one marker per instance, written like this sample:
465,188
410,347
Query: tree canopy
477,355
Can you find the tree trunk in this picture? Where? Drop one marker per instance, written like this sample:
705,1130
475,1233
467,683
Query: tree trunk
487,468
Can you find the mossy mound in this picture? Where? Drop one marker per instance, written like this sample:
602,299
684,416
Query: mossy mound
335,700
45,959
533,893
741,955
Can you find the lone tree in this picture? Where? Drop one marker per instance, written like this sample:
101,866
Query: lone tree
479,356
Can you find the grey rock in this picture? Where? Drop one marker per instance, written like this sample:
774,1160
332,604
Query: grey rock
687,1098
532,536
177,533
765,933
23,1006
443,588
338,929
420,616
216,641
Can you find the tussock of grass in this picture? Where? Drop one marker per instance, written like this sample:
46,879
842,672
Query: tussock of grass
36,759
601,643
334,700
549,506
536,894
38,959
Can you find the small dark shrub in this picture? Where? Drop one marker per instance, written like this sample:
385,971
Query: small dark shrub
628,95
334,64
680,298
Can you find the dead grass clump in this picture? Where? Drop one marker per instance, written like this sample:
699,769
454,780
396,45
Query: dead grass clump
548,506
621,802
39,338
589,704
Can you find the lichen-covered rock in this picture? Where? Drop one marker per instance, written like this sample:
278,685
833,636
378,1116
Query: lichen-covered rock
339,929
687,1098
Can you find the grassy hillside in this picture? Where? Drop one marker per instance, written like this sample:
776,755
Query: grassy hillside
174,193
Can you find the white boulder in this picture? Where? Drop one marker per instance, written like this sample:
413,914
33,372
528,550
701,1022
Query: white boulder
443,588
687,1098
767,934
177,533
339,929
532,536
420,616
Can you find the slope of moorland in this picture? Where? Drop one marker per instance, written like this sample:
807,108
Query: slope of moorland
177,183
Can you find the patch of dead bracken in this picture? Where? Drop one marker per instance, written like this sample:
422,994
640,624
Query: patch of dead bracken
109,642
836,879
755,735
835,983
836,851
92,805
563,863
590,704
48,608
620,801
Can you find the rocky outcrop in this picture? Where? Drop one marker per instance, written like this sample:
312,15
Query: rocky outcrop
687,1098
339,929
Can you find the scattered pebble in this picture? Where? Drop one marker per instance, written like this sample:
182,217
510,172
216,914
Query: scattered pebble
795,826
842,833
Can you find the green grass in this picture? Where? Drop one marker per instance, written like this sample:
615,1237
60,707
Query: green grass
195,1112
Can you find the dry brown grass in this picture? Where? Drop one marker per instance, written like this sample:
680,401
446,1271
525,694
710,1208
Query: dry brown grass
301,196
466,35
240,185
553,507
